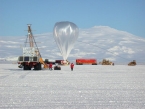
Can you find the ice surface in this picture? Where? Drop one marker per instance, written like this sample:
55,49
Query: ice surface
87,87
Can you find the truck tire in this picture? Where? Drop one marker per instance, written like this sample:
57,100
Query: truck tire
37,66
26,67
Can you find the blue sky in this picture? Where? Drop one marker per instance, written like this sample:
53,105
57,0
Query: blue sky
124,15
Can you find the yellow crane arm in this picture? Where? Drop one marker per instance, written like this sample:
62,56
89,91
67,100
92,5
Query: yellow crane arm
42,62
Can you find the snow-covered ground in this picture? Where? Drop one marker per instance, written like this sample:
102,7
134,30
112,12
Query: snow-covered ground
87,87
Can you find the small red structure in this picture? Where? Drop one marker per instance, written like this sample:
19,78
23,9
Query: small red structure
86,61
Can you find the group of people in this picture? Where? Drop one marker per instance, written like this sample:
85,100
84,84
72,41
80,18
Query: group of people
50,66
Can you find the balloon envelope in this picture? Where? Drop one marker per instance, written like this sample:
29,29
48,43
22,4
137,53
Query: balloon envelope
65,35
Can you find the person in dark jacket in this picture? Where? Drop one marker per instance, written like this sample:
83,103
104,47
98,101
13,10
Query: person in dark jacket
50,66
71,66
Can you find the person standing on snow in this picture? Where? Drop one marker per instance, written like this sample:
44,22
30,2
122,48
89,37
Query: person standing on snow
71,66
50,66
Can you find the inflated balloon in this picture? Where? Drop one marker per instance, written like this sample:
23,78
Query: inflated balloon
65,35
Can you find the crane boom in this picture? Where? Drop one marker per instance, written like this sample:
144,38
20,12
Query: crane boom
30,35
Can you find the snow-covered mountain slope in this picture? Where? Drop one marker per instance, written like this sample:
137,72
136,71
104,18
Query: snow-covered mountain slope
100,42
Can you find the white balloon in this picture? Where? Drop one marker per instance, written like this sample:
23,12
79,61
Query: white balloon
65,35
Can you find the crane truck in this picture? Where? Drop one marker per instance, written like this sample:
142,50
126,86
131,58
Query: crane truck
31,57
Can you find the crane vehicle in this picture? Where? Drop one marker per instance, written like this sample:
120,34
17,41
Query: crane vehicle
31,57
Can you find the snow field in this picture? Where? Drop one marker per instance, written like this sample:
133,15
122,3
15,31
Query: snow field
87,87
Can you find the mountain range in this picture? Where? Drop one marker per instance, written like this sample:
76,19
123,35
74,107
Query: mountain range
99,42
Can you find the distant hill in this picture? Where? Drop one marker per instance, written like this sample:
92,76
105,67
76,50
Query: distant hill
100,42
